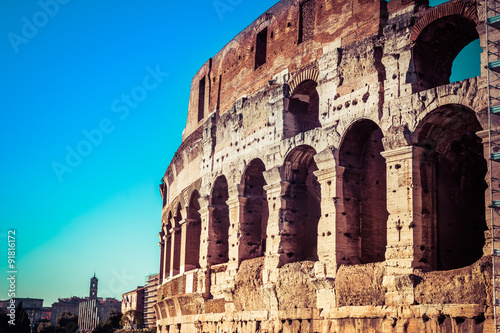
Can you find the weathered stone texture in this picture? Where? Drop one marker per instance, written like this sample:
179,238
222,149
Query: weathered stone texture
331,179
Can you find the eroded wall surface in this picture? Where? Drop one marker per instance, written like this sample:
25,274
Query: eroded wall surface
331,178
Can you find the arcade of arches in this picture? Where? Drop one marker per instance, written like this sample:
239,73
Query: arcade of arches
349,208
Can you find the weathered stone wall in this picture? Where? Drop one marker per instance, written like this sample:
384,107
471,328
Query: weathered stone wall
331,179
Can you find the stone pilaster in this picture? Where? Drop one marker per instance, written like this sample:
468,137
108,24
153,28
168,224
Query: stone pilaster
275,202
409,225
234,234
495,166
161,244
327,224
167,256
205,212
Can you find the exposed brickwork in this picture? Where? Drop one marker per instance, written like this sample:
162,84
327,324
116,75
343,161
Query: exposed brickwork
330,178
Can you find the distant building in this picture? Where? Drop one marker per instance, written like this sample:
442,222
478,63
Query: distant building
94,310
33,307
150,295
134,300
65,305
46,313
107,306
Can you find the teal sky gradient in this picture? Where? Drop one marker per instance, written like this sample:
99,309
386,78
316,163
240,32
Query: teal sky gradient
105,214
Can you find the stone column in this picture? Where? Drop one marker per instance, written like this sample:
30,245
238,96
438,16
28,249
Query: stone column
204,273
326,225
161,244
234,235
488,233
183,244
327,237
273,244
275,202
205,212
410,222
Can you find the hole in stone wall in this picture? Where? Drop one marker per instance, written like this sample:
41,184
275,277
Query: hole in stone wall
303,110
261,48
193,233
306,20
219,245
365,186
201,100
452,176
302,210
437,46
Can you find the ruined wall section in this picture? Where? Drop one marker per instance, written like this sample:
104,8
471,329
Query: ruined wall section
369,86
232,73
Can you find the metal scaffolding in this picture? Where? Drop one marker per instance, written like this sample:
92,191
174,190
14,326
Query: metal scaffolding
492,25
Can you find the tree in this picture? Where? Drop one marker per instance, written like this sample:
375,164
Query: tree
68,321
131,318
46,327
103,328
22,322
114,319
4,321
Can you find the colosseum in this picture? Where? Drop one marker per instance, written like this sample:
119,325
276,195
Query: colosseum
332,179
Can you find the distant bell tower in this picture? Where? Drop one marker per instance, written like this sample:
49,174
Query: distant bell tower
93,288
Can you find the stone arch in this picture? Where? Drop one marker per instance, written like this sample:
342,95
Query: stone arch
301,109
161,236
218,247
177,240
301,210
168,245
254,211
438,37
364,193
193,232
452,176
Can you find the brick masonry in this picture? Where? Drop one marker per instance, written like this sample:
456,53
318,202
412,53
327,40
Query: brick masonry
331,179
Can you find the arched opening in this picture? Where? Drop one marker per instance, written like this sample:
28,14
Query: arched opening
168,247
467,64
177,241
302,112
161,235
452,175
302,209
193,233
255,212
364,193
436,47
219,223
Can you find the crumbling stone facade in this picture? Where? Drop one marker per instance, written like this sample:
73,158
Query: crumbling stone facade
331,179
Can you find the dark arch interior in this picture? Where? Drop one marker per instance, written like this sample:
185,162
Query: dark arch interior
218,233
302,113
437,46
177,241
193,232
168,245
303,210
364,193
453,182
255,212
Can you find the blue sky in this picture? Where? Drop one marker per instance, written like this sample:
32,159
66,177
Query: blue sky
94,102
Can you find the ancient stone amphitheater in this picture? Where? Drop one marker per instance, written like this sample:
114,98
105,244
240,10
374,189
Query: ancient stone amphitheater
331,178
